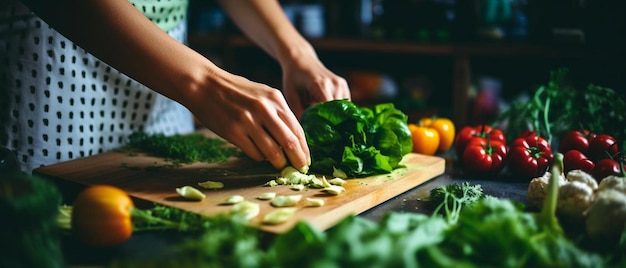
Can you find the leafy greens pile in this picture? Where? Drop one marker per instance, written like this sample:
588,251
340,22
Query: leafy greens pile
360,141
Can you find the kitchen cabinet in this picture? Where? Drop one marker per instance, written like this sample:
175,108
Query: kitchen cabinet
454,65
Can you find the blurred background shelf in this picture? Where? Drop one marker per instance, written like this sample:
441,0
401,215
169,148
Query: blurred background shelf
436,57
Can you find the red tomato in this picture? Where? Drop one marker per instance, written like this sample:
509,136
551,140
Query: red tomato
575,140
468,133
604,168
574,159
602,146
529,156
484,156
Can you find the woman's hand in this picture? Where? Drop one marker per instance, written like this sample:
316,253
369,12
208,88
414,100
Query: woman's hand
307,81
252,116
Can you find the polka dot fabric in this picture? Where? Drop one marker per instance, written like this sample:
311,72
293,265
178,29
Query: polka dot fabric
58,102
166,14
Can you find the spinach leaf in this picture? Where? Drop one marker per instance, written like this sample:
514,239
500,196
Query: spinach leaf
360,141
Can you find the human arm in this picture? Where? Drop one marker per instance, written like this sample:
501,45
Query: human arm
305,79
250,115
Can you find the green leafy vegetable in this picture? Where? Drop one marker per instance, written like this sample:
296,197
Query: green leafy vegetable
357,140
181,149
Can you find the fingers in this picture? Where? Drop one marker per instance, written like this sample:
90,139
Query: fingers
275,135
292,139
288,137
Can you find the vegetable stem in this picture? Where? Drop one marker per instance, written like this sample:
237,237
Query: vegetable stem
155,223
546,119
547,215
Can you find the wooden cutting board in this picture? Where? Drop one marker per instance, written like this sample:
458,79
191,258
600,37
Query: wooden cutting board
152,179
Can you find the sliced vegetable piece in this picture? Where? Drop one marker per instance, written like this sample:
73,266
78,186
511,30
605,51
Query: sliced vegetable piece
337,181
279,215
271,183
325,183
334,190
234,199
190,193
286,200
339,173
267,196
314,202
288,171
245,210
297,187
211,185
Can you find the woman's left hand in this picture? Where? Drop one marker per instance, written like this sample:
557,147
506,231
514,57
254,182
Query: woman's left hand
307,81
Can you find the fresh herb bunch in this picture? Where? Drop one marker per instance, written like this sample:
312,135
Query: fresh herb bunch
557,107
360,141
452,198
179,149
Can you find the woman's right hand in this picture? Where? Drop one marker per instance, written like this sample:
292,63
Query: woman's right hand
253,117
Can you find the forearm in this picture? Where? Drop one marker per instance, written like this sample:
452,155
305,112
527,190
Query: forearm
118,34
264,22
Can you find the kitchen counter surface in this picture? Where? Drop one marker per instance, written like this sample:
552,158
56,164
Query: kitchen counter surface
145,245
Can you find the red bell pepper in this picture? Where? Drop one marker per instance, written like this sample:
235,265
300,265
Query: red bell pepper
484,156
529,156
467,133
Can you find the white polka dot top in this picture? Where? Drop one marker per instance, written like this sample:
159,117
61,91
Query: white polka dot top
58,102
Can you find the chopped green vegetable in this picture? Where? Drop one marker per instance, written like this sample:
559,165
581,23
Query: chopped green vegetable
233,199
245,210
356,140
297,187
337,181
314,202
286,200
267,196
279,215
182,149
334,189
211,184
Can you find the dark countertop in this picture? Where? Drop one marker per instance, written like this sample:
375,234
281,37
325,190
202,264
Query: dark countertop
147,244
